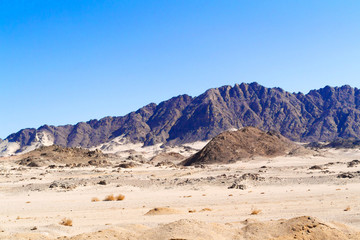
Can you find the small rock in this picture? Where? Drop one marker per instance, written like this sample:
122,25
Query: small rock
353,163
252,176
102,182
346,175
237,186
33,164
53,185
315,167
127,165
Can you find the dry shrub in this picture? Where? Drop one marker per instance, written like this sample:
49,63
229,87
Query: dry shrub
206,210
192,211
95,199
347,209
120,197
255,211
187,196
28,202
110,198
66,222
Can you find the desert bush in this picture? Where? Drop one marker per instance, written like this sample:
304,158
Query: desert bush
66,222
120,197
206,210
255,211
95,199
110,198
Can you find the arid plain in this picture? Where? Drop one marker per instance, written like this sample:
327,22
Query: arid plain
255,198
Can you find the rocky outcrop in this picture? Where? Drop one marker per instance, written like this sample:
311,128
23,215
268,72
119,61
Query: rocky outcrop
232,146
63,155
320,115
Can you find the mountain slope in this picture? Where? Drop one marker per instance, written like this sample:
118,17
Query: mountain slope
320,115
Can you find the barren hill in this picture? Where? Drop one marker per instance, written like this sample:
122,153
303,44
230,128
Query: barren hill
57,154
235,145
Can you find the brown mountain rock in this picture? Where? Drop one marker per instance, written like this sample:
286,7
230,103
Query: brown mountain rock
248,142
320,115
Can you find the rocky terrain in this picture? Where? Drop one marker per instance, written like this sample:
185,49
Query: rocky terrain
320,115
48,155
313,196
338,143
245,143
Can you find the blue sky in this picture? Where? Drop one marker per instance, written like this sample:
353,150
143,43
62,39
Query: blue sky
68,61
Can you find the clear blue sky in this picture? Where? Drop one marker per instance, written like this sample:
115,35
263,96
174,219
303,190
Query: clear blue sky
70,60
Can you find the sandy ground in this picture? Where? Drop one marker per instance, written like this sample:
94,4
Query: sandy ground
279,188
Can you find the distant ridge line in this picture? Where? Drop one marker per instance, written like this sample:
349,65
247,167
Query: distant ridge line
320,115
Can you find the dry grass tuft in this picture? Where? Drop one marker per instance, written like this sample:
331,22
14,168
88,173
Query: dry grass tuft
19,218
205,210
347,209
66,222
120,197
95,199
110,198
255,211
28,202
192,211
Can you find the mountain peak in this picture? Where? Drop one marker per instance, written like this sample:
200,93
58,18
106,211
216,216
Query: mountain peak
320,115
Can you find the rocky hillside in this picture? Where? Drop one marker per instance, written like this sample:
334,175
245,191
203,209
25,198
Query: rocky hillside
320,115
43,156
231,146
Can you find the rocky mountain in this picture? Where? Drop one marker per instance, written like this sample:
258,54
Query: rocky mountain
320,115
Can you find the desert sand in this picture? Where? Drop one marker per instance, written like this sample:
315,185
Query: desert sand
312,196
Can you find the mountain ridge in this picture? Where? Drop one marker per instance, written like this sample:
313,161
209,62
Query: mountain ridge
320,115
